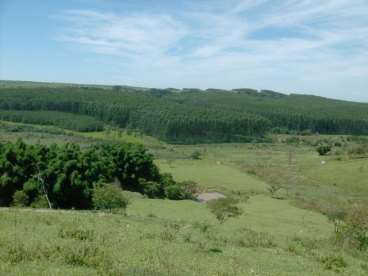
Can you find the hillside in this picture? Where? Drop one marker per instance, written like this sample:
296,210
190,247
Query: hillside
190,115
295,209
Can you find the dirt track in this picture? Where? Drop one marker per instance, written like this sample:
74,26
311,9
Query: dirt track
205,197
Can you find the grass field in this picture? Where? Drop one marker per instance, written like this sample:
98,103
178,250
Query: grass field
214,176
171,238
272,236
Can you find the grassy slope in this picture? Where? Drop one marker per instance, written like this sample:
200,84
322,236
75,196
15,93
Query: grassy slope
122,136
261,214
80,243
213,176
160,237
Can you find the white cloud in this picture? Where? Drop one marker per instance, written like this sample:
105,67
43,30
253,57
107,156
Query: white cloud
318,44
131,36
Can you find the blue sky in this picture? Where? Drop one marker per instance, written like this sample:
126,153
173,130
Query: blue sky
294,46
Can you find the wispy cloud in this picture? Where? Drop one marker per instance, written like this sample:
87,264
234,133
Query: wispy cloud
131,36
281,44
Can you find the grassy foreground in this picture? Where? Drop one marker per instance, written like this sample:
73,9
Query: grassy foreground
160,237
272,236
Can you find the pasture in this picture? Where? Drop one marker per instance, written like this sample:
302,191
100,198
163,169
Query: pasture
282,190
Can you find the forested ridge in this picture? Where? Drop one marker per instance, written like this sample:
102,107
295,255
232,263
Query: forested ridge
192,115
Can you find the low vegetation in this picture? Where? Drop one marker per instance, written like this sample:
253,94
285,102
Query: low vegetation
352,229
224,208
108,198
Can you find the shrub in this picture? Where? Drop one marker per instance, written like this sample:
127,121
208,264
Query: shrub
83,254
358,150
151,189
77,234
40,202
196,155
108,197
338,144
293,140
20,199
306,132
273,189
17,254
174,190
324,149
255,239
190,187
334,263
177,192
279,130
354,230
224,208
31,188
202,227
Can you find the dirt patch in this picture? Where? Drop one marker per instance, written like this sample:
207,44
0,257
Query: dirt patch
205,197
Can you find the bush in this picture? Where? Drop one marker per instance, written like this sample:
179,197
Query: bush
40,202
20,199
79,234
293,140
255,239
338,144
174,190
306,132
32,189
358,150
224,208
190,187
177,192
324,149
196,155
151,189
354,230
108,197
334,263
279,130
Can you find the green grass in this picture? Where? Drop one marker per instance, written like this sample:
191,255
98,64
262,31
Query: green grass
119,135
162,237
213,176
268,239
260,213
297,168
345,175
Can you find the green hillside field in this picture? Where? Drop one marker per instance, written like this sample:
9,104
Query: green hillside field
285,231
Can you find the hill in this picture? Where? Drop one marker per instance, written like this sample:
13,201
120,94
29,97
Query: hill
192,115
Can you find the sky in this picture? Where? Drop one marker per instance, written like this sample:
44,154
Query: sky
293,46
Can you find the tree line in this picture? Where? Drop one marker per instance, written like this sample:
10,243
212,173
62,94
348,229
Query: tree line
192,115
56,118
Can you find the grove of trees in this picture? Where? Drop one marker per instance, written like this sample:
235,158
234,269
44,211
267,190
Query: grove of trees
66,176
192,115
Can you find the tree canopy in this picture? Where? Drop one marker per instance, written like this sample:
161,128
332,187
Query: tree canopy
192,115
66,176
